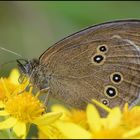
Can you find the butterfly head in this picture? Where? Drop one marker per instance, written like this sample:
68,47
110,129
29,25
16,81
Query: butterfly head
26,67
34,71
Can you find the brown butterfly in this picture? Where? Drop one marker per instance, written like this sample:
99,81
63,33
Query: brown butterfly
101,62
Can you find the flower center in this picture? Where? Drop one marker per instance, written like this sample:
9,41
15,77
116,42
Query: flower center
25,107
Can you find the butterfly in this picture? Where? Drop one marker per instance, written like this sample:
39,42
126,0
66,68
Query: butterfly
100,62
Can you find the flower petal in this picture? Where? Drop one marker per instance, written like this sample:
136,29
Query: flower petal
2,105
72,131
47,118
50,132
7,93
114,118
125,109
14,75
8,123
3,113
93,118
132,133
60,108
20,129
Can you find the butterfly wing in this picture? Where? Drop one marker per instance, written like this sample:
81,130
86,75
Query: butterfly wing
100,62
125,28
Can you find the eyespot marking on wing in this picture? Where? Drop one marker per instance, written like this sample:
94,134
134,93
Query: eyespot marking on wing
116,77
98,59
105,102
102,48
110,91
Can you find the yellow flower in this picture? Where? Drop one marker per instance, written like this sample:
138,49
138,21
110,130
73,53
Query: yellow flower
116,125
11,82
22,109
99,127
131,117
131,121
108,127
10,85
74,115
14,76
50,132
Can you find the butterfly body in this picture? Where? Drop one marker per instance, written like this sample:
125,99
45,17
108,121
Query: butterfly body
101,62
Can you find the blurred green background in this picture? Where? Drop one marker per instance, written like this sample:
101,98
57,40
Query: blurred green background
29,28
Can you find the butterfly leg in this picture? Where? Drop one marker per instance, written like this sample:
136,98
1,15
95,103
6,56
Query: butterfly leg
46,98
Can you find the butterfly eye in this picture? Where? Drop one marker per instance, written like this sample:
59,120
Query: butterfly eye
102,48
110,91
98,59
116,77
105,102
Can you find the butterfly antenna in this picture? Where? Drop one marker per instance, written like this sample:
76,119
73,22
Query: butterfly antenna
4,49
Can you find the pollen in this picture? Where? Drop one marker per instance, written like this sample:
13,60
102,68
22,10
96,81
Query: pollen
25,107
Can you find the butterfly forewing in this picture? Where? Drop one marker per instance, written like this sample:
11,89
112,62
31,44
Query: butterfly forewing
100,62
